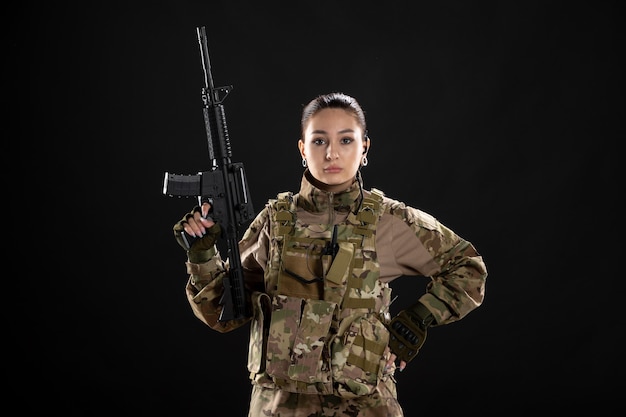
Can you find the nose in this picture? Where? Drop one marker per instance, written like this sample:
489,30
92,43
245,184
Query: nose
331,153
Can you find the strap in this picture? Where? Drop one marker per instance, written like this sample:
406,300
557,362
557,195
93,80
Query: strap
367,216
284,213
368,365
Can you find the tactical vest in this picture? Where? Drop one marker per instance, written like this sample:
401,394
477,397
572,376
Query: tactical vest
319,328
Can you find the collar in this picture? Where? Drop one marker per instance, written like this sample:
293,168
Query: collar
314,199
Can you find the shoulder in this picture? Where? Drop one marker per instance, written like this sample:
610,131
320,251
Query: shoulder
412,216
259,223
268,214
283,201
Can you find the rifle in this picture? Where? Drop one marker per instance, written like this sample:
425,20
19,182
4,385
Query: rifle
224,186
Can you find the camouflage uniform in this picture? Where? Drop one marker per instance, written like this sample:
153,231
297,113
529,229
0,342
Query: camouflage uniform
318,335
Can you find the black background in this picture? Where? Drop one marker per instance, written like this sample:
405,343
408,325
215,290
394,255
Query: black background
502,119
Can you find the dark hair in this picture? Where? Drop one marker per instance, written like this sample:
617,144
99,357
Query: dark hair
334,100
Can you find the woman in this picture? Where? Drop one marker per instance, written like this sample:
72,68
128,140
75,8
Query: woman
317,266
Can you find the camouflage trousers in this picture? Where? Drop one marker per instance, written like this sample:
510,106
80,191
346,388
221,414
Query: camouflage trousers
273,402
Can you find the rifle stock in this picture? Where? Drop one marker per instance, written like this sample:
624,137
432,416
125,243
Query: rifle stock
224,186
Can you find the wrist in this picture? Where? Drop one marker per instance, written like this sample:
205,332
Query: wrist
422,315
201,256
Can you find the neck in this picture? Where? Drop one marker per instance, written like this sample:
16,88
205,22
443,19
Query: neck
331,188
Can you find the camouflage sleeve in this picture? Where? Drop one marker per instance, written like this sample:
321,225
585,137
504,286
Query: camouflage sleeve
254,248
456,270
205,285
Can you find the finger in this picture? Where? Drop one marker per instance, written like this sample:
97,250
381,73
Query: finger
205,209
402,365
391,360
207,223
187,227
194,227
197,226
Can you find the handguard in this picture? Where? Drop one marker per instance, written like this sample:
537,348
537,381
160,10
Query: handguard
408,331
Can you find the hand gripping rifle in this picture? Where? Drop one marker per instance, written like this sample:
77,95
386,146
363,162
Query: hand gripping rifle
224,186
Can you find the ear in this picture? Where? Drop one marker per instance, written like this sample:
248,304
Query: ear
301,147
366,144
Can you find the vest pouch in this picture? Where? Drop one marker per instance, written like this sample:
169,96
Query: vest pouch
283,327
309,358
341,268
301,273
297,339
359,357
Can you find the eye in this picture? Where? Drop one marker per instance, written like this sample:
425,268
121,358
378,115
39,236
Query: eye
347,140
318,141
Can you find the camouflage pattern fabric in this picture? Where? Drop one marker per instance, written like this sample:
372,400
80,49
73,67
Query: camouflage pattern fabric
325,334
274,402
319,348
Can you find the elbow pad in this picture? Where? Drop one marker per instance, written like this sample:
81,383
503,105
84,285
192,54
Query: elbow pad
407,331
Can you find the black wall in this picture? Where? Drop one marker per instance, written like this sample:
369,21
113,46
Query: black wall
501,119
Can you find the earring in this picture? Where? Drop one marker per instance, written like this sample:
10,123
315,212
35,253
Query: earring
304,162
365,161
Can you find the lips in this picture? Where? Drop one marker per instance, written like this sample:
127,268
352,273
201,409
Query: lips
332,169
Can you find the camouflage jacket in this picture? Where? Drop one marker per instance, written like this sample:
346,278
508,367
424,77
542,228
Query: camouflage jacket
318,328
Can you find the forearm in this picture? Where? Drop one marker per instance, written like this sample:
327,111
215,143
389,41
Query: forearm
205,287
459,287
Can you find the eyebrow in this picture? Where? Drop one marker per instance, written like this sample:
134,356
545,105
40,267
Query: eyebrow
341,131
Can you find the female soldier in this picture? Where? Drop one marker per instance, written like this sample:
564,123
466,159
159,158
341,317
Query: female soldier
317,266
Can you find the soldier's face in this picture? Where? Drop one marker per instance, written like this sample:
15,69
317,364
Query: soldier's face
333,146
